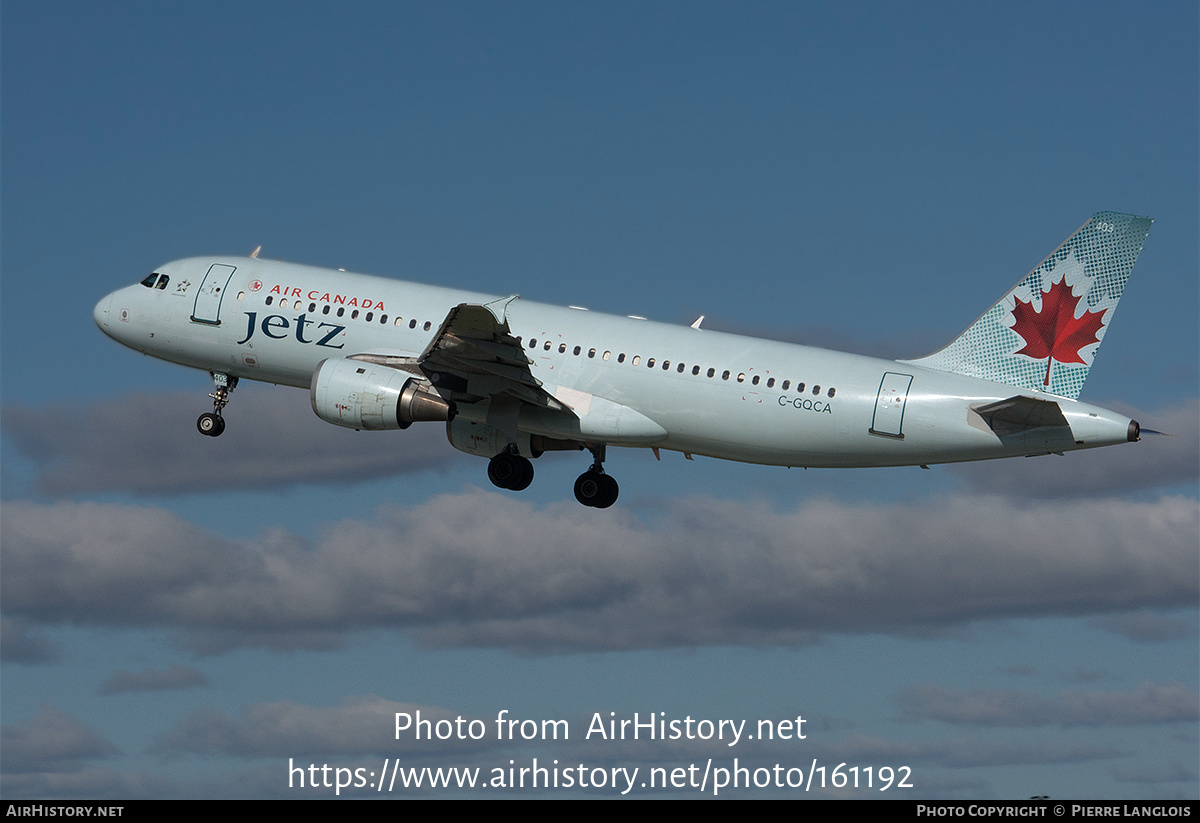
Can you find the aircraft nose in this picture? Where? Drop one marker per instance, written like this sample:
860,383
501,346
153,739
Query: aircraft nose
100,313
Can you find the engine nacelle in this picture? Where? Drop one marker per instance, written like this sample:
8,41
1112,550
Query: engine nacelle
361,395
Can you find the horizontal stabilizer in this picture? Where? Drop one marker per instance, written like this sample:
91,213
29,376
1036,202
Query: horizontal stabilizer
1020,413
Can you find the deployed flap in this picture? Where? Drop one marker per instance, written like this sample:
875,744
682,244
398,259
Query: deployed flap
1020,413
473,357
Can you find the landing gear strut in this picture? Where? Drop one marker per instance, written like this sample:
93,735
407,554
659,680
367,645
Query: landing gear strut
594,488
212,423
509,470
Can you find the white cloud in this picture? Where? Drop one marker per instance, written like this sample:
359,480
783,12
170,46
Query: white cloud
20,643
149,443
478,569
358,726
51,740
1149,703
171,678
1146,627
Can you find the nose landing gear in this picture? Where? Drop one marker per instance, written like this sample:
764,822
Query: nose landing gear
212,423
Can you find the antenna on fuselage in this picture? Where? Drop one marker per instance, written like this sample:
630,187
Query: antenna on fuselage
699,320
254,254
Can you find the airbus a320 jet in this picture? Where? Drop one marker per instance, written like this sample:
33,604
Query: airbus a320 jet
511,379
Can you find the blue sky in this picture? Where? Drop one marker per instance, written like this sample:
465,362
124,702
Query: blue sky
183,615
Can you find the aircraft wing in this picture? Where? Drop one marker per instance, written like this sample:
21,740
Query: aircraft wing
474,356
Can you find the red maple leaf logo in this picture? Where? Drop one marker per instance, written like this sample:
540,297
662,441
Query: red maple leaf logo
1055,332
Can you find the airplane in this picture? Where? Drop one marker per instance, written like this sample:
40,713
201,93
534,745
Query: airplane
512,379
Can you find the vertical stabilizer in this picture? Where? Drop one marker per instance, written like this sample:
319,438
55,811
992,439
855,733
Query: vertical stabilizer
1044,334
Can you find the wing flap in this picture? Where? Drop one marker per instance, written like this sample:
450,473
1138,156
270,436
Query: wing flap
474,356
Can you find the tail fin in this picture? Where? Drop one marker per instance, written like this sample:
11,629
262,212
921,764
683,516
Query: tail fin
1044,334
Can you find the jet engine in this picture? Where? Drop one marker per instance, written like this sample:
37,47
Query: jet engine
360,395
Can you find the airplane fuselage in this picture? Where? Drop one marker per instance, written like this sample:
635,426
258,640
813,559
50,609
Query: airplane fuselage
649,384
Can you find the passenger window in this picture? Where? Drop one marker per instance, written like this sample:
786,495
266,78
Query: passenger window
711,372
325,309
399,321
533,343
695,369
426,326
816,390
650,363
621,357
785,385
547,346
741,377
311,306
562,347
755,380
680,368
770,382
591,352
370,316
607,355
637,360
577,350
269,299
341,311
831,391
383,319
353,314
412,324
725,375
666,365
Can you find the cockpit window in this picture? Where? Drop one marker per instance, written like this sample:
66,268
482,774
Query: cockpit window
149,281
162,282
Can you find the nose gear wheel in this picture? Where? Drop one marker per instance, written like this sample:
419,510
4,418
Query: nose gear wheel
211,424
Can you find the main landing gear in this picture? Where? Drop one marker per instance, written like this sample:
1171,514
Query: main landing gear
595,488
509,470
212,423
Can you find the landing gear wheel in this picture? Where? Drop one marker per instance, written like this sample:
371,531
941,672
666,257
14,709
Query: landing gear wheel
596,490
210,424
526,476
510,471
